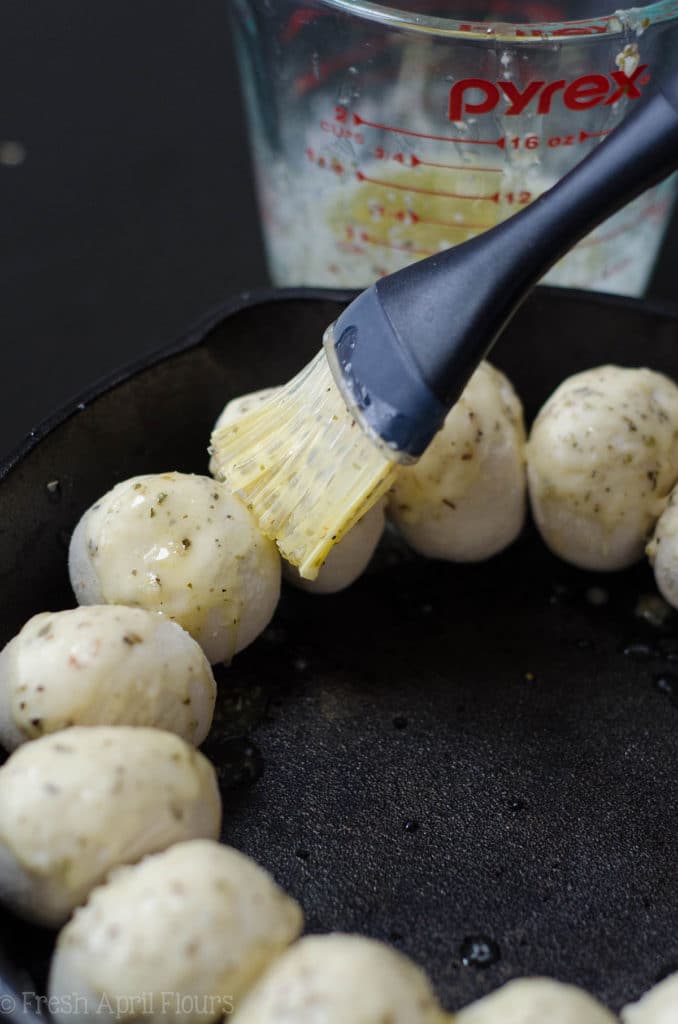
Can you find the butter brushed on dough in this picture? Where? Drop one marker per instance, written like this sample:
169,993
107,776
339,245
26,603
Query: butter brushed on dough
182,545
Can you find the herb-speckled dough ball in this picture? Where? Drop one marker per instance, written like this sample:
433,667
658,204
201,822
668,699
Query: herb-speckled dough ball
602,458
341,978
658,1006
536,1001
349,558
183,935
182,545
103,665
236,408
465,500
75,804
663,551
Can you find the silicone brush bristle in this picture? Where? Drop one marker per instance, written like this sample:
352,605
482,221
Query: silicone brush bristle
303,466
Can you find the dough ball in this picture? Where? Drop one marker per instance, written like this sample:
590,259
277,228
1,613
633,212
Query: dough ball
658,1006
182,545
340,978
601,460
103,665
76,804
663,551
185,933
464,500
236,408
349,558
536,1001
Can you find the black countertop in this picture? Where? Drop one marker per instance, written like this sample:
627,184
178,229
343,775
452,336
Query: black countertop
133,210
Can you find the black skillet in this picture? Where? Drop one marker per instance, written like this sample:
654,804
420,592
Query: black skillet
471,762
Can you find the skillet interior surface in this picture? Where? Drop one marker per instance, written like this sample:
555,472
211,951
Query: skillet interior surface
442,751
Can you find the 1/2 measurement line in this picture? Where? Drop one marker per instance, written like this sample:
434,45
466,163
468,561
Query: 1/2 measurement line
358,120
409,217
494,198
414,218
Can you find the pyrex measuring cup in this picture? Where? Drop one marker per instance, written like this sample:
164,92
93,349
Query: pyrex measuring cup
385,134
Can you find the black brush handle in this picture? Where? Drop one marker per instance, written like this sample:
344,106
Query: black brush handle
448,310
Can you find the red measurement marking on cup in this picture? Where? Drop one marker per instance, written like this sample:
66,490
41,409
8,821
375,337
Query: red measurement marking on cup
412,160
299,20
409,217
409,249
324,163
351,247
653,210
414,218
358,120
415,161
494,198
616,268
583,136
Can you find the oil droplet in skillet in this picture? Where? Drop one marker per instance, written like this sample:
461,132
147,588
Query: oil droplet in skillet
302,853
53,488
479,951
411,825
597,596
400,722
667,684
639,651
653,609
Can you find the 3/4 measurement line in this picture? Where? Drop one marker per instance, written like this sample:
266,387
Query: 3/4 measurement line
409,249
494,198
415,161
358,120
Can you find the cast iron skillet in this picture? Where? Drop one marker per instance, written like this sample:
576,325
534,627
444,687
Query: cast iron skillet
443,751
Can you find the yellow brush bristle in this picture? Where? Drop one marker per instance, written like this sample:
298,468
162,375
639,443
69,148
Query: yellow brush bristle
304,466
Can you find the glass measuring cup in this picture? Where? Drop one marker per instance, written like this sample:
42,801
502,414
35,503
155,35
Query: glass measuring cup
384,134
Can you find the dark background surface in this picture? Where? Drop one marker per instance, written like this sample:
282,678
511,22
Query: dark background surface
133,210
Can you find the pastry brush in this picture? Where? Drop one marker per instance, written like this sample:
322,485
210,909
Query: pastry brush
320,452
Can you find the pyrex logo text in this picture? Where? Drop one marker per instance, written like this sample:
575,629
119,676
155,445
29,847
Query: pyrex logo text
580,94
